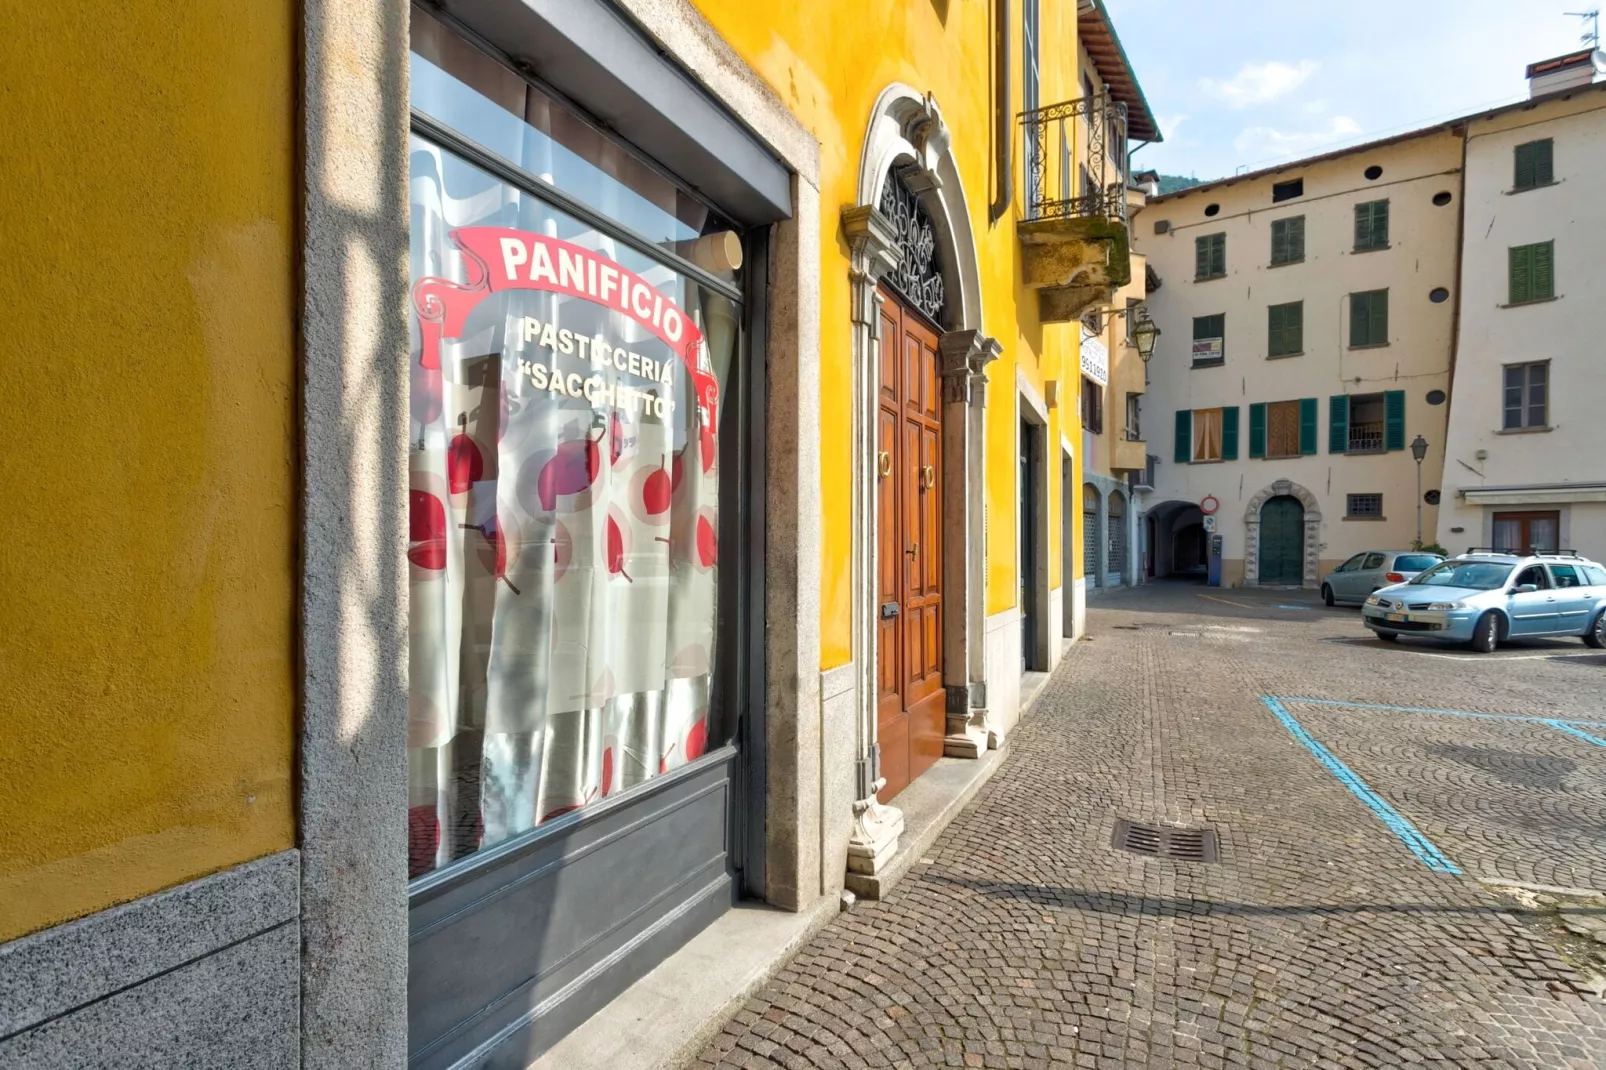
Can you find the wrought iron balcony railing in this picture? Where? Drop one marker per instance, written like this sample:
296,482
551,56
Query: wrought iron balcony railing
1076,165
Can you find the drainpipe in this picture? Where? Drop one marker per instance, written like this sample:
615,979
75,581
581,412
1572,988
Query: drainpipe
1003,135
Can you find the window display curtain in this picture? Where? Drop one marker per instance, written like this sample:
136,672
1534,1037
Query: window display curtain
562,549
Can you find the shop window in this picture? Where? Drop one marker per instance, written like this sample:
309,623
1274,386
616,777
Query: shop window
1527,396
569,394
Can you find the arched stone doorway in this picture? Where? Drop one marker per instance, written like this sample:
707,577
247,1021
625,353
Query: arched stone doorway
1259,527
1177,539
911,205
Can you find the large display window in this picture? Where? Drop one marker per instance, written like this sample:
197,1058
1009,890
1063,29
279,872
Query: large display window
569,391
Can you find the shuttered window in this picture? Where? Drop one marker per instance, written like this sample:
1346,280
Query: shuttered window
1209,256
1366,423
1307,427
1282,429
1288,240
1285,329
1182,452
1535,165
1210,339
1371,225
1369,318
1533,272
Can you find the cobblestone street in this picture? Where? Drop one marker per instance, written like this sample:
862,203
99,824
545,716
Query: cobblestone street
1407,833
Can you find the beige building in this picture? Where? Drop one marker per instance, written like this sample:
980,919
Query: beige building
1527,430
1307,315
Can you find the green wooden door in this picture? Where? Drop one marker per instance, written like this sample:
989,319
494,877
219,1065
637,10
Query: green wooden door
1282,541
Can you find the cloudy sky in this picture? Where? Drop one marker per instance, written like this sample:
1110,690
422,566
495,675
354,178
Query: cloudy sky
1245,83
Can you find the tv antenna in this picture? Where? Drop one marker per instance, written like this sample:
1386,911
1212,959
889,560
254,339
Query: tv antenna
1591,35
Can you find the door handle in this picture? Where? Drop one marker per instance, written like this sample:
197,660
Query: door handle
913,550
884,463
928,477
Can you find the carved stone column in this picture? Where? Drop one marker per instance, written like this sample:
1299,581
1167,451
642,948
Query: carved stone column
873,246
965,355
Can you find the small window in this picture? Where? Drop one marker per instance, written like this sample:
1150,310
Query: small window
1092,406
1442,198
1527,396
1212,210
1162,226
1374,173
1287,191
1371,226
1210,256
1369,318
1365,507
1288,240
1210,339
1134,417
1535,165
1207,434
1437,397
1285,329
1533,272
1438,295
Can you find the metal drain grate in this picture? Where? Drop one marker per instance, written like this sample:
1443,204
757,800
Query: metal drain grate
1165,841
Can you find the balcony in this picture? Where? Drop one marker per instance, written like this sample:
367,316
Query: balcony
1141,480
1130,452
1074,243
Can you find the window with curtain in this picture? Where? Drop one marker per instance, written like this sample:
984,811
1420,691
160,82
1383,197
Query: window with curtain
567,396
1527,532
1206,434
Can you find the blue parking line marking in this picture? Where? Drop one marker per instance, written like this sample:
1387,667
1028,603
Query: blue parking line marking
1579,732
1408,833
1448,713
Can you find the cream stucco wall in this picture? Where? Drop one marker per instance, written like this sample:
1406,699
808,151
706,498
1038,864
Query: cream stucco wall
1567,331
1421,256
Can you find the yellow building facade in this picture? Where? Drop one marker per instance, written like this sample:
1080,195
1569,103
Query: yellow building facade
569,468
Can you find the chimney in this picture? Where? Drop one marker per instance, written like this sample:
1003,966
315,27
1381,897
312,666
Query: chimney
1571,71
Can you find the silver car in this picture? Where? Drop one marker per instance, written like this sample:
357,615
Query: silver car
1356,579
1485,598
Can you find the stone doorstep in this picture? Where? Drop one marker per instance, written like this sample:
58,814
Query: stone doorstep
666,1019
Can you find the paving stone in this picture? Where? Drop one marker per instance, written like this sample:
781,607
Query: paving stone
1024,939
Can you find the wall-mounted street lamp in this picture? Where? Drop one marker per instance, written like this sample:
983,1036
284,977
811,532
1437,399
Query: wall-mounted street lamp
1144,334
1419,450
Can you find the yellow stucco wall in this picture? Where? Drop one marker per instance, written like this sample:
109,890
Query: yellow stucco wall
829,61
147,589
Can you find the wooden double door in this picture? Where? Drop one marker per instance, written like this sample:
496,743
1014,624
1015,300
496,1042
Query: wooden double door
911,702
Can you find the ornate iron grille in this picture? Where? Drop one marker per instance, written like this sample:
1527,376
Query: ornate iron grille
1086,175
918,276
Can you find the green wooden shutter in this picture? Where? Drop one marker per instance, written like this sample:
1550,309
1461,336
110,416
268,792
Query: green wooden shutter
1294,327
1358,319
1184,449
1525,161
1274,331
1521,273
1257,429
1543,262
1218,255
1363,226
1544,162
1338,423
1296,238
1279,242
1307,426
1377,308
1394,420
1201,257
1380,223
1229,433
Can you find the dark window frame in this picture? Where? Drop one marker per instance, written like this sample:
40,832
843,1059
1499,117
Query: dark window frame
1525,406
1092,405
1371,225
1290,231
1210,256
1290,190
1221,334
1354,510
1279,329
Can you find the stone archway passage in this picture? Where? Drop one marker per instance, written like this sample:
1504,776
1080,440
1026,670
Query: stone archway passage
1282,541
